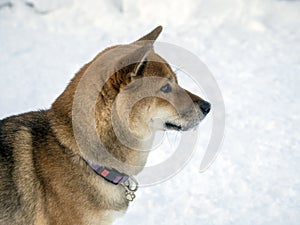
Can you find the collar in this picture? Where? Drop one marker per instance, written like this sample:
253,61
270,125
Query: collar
117,178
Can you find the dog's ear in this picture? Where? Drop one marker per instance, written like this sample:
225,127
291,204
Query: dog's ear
134,62
152,36
135,59
142,53
142,59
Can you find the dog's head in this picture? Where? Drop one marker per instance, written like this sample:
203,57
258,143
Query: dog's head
149,95
127,89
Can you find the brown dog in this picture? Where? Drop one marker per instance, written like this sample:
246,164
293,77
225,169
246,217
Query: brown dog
48,177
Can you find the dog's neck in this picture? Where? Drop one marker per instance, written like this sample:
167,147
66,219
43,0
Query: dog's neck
134,155
61,115
124,145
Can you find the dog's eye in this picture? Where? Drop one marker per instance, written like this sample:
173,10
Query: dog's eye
166,88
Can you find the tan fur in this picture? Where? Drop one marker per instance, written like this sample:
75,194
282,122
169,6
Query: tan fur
44,175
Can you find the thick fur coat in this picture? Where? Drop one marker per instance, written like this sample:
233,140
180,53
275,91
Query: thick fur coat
44,175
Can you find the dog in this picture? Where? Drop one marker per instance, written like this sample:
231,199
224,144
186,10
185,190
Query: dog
52,171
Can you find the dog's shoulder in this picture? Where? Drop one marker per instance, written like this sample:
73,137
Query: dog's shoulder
18,137
21,134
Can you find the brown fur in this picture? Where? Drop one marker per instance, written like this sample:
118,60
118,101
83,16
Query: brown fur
44,177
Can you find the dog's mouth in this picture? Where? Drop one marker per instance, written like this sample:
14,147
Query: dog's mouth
181,127
173,126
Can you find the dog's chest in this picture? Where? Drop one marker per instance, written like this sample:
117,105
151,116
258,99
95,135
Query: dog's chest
105,217
112,204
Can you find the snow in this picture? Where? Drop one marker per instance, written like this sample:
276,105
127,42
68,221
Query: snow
251,47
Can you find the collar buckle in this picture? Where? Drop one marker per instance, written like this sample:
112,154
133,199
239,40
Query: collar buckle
131,186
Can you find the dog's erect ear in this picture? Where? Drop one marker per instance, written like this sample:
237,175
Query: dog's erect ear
136,58
137,53
140,57
142,53
138,69
153,35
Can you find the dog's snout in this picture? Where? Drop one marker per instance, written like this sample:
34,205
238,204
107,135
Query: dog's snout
205,107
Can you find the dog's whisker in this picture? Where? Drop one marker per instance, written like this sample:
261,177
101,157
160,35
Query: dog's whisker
177,69
168,138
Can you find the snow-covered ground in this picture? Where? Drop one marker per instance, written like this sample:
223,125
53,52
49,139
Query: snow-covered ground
252,48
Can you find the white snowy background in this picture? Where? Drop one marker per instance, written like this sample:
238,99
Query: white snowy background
252,47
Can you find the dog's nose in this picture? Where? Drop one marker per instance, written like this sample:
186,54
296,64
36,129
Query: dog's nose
205,107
